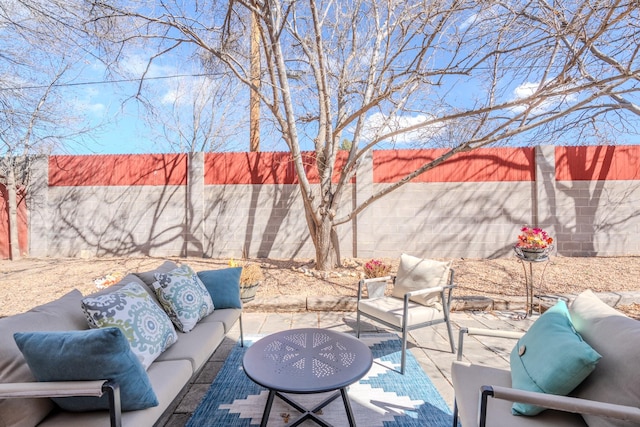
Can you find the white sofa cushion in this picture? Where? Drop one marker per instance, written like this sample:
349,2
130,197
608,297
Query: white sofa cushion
616,378
167,379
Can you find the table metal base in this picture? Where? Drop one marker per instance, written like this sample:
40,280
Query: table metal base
308,414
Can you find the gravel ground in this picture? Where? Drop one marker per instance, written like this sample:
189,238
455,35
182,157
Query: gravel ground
29,282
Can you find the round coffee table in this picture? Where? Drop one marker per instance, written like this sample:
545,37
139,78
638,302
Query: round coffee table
305,361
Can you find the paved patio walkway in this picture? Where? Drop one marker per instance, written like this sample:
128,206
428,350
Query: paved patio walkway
429,345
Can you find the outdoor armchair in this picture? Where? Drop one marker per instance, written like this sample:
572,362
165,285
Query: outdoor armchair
414,302
484,395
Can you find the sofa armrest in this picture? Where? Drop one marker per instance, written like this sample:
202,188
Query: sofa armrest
484,332
560,403
68,389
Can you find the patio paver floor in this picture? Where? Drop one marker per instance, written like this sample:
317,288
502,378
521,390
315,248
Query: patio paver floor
429,345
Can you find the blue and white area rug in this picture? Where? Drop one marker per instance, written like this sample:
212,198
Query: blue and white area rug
383,397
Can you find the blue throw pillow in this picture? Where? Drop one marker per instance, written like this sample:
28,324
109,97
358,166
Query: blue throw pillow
550,358
224,286
93,354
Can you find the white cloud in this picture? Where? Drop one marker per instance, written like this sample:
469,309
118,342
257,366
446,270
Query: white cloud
86,103
528,89
188,90
379,124
480,20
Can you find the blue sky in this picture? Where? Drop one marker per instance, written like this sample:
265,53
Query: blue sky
118,118
173,85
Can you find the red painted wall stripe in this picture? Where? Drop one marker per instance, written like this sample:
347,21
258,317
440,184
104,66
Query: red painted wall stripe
597,163
135,169
261,168
480,165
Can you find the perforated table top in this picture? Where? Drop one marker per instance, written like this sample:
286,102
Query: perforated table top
307,361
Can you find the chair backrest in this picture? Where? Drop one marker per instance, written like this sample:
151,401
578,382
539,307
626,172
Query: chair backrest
416,274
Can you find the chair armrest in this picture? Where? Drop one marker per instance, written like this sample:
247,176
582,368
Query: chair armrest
68,389
560,403
377,279
424,291
484,332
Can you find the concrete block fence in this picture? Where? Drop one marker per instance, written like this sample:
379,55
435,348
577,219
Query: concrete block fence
233,204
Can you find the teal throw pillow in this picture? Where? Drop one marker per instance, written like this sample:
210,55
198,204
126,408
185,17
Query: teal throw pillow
223,286
91,354
133,310
183,296
550,358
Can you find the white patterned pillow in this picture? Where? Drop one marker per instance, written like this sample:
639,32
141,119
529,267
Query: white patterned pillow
132,310
183,296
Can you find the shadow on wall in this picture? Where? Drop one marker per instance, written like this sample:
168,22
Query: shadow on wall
249,214
98,217
143,205
601,215
459,208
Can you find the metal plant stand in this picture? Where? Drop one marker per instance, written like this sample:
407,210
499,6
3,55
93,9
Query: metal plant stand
529,280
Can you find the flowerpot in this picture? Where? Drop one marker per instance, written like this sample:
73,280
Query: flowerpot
376,289
248,292
532,254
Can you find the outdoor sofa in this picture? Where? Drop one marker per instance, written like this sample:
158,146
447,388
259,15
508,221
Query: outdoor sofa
148,391
591,378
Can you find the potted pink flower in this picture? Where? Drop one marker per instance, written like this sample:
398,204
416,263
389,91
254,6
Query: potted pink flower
533,243
376,268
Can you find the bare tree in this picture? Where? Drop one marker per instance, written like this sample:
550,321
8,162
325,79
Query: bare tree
196,113
34,116
446,73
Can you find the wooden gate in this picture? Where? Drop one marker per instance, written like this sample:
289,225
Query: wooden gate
5,238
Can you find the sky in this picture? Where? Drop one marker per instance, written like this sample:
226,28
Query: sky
109,106
175,92
121,128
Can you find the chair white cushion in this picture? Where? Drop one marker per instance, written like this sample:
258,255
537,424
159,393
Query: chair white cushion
468,378
390,310
416,273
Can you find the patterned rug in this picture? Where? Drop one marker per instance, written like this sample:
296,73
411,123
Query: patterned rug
382,398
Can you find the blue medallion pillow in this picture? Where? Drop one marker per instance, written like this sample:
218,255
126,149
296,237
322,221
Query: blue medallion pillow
91,354
550,358
132,309
223,286
183,296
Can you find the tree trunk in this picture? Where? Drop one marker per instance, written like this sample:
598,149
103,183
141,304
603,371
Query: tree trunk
325,252
13,215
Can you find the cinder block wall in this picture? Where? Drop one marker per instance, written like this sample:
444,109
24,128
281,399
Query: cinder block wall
596,206
234,204
447,220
